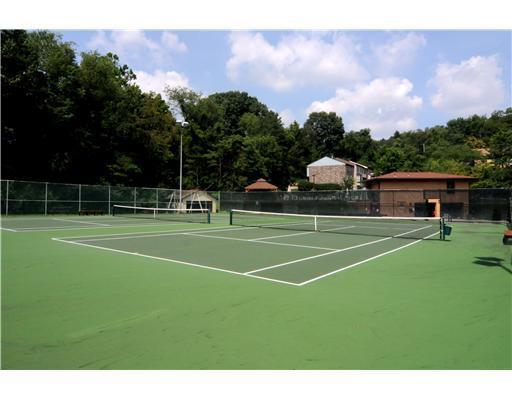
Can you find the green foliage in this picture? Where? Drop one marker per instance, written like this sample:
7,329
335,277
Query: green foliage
348,183
305,185
326,131
87,121
501,148
359,146
327,186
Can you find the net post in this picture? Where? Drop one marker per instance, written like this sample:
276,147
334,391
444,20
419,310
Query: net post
208,217
46,198
79,198
230,217
7,199
109,210
134,198
156,205
441,227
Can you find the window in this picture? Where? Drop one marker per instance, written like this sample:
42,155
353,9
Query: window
450,186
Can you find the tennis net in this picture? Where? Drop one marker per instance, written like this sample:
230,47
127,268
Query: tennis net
165,214
410,227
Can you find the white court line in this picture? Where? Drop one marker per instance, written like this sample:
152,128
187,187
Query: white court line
302,233
174,261
257,241
72,227
151,234
279,236
80,222
5,229
112,235
363,261
333,252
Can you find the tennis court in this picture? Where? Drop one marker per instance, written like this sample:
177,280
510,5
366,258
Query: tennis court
283,248
51,223
252,290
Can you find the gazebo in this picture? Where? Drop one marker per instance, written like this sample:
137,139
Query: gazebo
261,185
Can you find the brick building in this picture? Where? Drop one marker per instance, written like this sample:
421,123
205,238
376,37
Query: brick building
335,170
418,193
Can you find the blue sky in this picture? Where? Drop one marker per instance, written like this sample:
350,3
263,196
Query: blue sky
382,80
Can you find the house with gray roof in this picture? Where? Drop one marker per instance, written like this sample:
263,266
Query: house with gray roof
335,170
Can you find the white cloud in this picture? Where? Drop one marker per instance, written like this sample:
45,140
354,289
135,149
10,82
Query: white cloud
171,41
473,86
296,60
159,80
398,53
287,116
383,105
136,45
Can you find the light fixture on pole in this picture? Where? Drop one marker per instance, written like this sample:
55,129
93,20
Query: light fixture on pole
183,124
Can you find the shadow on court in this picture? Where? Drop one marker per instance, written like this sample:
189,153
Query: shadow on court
492,262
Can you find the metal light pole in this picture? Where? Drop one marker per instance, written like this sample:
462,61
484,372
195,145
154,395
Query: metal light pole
183,124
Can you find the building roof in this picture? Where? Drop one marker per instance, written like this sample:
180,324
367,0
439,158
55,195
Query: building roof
419,176
350,162
190,193
261,184
326,161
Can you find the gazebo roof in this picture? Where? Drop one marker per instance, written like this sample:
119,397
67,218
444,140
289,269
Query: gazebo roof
261,184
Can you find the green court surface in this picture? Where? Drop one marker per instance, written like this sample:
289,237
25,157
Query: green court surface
102,292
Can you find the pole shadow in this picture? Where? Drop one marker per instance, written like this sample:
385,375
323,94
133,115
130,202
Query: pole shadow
492,262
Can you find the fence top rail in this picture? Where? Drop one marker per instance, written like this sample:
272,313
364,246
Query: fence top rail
83,184
473,190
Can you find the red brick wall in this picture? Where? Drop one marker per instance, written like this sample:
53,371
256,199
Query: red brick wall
399,204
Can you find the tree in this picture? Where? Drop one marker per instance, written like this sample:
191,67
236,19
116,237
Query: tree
89,122
300,147
358,146
38,102
326,130
389,159
501,148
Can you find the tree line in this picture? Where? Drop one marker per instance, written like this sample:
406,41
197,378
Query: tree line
84,119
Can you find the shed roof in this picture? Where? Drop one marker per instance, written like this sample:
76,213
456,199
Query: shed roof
201,193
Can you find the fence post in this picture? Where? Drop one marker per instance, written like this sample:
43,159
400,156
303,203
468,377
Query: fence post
79,198
46,199
394,204
109,211
7,199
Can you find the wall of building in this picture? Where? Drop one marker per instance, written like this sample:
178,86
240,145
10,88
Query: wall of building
202,197
402,204
327,174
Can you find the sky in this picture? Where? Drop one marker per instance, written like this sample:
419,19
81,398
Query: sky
382,80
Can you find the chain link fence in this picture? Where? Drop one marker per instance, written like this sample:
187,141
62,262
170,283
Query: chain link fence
22,197
454,204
